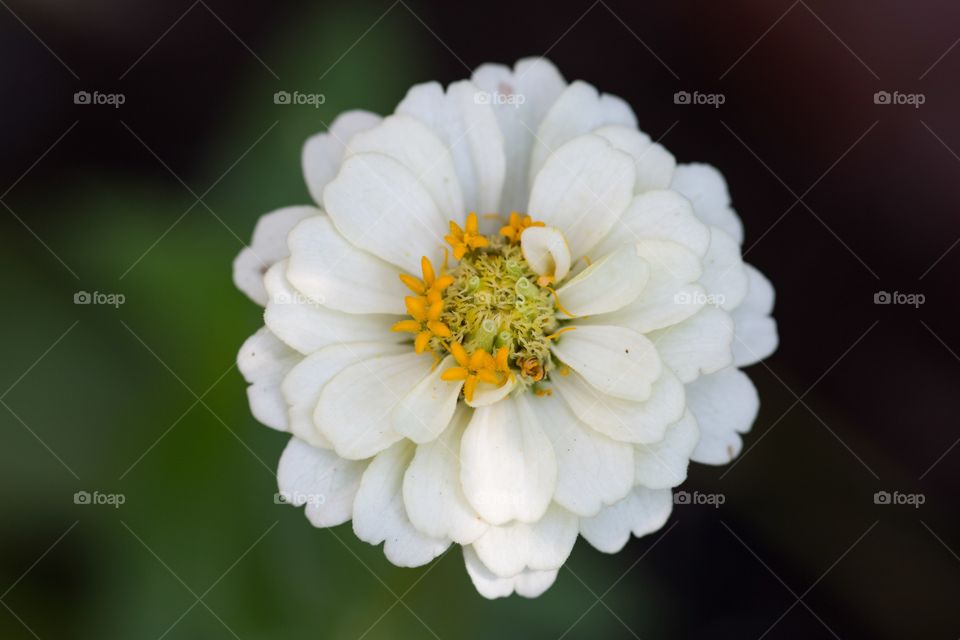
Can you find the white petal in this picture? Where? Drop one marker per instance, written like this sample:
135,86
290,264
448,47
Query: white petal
509,469
468,126
486,394
529,584
320,479
698,345
432,493
707,189
412,144
264,361
592,469
546,251
307,326
269,245
381,207
527,93
379,515
580,109
302,386
724,276
664,464
543,545
671,293
654,163
323,152
610,283
616,361
356,406
755,331
625,420
582,190
658,215
642,512
725,405
427,409
330,270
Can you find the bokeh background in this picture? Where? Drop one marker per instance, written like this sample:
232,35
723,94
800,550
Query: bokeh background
841,198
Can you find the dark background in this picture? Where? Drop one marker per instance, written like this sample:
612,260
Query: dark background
840,197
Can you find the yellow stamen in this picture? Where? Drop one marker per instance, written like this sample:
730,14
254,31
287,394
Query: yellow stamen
465,240
477,367
410,326
556,297
557,333
517,225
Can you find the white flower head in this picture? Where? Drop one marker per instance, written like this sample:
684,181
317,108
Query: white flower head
505,323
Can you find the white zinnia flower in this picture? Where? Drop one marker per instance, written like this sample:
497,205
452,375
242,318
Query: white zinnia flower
510,319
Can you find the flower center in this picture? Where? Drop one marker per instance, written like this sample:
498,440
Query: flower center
487,310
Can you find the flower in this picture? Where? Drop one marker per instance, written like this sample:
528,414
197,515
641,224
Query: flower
580,311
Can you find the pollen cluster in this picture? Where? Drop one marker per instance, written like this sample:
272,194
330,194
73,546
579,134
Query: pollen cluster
487,310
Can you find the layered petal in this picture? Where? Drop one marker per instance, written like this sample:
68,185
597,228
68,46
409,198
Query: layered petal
427,409
519,98
323,152
664,464
268,246
592,469
580,109
724,276
356,407
642,512
654,163
707,190
658,215
698,345
264,361
625,420
755,331
302,385
320,479
466,123
610,283
414,145
382,207
546,251
432,493
527,583
379,514
582,189
509,470
725,405
616,361
307,326
543,545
